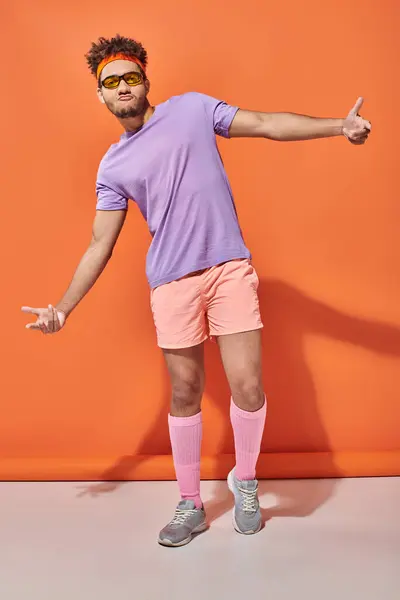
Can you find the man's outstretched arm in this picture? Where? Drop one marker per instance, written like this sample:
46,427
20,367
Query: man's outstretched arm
288,127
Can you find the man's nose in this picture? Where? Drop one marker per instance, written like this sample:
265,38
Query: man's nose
123,87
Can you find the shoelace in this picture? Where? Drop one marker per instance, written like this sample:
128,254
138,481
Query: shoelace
181,516
249,500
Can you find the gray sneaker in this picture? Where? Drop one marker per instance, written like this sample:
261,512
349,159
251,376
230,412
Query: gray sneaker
187,520
246,514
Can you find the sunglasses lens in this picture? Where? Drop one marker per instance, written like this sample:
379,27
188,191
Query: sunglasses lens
133,78
111,82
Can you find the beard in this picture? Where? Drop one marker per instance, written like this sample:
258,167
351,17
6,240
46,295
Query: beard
126,113
129,111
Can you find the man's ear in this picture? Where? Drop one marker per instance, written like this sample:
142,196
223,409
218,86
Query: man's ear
100,96
147,86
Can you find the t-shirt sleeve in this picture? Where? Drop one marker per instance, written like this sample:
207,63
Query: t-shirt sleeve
221,113
109,199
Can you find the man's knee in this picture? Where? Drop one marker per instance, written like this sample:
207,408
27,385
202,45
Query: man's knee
187,392
248,393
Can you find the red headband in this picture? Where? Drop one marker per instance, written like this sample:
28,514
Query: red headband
120,56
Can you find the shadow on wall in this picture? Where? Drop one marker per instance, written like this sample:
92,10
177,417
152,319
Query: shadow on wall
293,422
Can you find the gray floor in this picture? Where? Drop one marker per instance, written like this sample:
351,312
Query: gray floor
323,540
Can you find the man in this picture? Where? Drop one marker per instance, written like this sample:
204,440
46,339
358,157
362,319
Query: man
198,266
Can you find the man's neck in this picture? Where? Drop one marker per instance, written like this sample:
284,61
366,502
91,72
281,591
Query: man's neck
135,123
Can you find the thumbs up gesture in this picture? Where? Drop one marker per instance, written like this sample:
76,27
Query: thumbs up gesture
355,128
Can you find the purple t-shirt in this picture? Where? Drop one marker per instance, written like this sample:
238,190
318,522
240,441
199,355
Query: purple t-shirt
172,169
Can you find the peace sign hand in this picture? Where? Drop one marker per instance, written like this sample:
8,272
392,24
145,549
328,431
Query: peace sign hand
355,128
49,320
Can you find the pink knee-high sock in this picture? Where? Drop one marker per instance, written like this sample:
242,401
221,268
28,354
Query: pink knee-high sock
185,434
248,429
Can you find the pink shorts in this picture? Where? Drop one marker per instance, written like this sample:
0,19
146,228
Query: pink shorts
217,301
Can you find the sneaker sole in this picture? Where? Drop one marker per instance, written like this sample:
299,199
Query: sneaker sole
235,525
199,529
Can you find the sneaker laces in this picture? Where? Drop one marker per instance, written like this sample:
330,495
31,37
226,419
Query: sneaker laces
249,500
181,516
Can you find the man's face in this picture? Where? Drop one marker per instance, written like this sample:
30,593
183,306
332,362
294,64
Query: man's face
124,101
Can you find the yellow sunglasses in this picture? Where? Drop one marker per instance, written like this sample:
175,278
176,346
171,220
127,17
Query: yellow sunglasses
133,78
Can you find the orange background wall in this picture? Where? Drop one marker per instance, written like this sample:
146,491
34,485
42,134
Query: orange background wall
321,218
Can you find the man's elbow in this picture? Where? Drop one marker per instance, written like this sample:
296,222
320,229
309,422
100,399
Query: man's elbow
269,128
102,247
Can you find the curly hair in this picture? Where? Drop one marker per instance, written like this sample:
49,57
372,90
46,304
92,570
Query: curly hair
104,48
